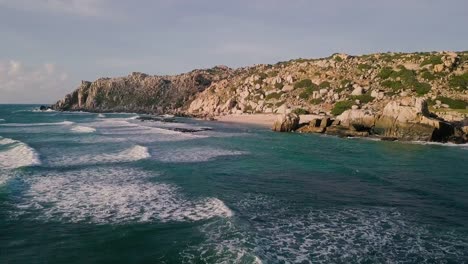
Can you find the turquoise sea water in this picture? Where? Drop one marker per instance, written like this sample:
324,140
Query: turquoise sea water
90,188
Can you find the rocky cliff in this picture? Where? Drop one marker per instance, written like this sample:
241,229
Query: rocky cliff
327,86
139,92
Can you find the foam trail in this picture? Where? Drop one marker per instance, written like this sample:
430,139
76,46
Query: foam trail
38,124
113,195
17,154
196,155
134,153
83,129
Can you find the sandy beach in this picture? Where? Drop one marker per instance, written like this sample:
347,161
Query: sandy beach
265,120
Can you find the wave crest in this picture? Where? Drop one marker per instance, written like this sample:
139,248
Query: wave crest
17,154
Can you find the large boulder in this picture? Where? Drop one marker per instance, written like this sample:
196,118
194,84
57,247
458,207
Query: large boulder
357,118
409,119
286,123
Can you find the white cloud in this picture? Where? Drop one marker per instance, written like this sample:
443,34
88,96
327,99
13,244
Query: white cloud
87,8
21,83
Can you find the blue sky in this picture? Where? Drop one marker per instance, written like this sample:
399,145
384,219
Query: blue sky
48,46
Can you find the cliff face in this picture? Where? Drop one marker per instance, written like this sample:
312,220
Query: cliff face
139,92
321,86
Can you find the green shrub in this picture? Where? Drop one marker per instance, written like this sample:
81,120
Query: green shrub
273,74
316,101
338,59
345,82
453,103
432,60
300,111
273,96
364,98
426,75
422,88
340,107
279,85
385,73
259,81
308,91
394,85
263,75
324,84
303,83
364,67
459,81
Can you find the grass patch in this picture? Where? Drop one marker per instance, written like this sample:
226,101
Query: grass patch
316,101
303,83
342,106
453,103
364,98
394,85
459,81
433,60
364,67
272,96
300,111
422,88
308,91
279,85
324,84
426,75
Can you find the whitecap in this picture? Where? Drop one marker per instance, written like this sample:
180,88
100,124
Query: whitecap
134,153
199,154
38,124
2,120
83,129
113,195
17,154
341,234
448,144
101,116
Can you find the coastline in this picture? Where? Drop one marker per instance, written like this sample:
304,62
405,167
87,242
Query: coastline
263,120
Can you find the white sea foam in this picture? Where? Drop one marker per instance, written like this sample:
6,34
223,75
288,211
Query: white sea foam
330,235
16,154
101,116
38,124
462,146
113,195
2,120
141,133
199,154
83,129
134,153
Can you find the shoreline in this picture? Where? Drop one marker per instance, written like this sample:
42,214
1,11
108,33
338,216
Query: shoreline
267,120
263,120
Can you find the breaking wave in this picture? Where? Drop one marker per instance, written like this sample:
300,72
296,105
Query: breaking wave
38,124
329,235
113,195
134,153
15,154
83,129
195,154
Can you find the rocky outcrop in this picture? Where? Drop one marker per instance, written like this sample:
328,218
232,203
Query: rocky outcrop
409,119
286,123
371,94
139,92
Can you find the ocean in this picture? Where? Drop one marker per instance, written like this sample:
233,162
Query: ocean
108,188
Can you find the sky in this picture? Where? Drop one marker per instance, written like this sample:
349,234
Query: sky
48,46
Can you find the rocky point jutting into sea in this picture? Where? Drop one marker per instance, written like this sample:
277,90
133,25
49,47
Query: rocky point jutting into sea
406,96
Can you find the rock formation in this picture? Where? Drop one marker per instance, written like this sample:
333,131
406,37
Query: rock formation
286,123
363,93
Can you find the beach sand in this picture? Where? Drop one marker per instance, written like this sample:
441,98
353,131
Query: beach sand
264,120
